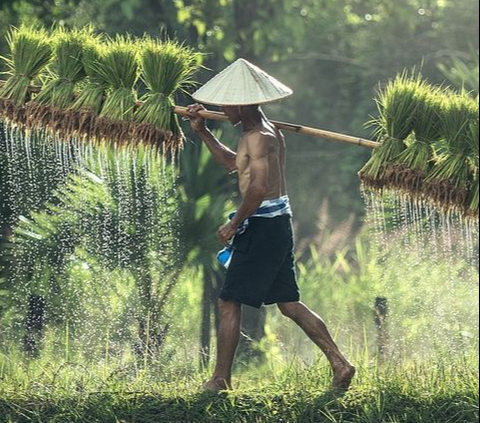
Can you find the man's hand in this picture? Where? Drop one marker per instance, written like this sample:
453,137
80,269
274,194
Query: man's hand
226,233
196,121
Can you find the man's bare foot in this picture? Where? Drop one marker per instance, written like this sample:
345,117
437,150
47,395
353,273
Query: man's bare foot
343,377
216,384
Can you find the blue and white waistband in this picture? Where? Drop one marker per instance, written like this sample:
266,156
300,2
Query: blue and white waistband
269,209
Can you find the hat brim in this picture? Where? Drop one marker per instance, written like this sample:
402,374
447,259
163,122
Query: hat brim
238,104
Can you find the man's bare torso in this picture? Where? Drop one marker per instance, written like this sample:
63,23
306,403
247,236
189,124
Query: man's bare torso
276,158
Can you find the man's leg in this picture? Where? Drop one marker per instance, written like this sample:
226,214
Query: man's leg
317,331
228,339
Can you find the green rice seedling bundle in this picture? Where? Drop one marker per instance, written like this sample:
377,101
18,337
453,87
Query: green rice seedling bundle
31,52
166,67
397,104
412,164
474,195
448,181
91,96
119,69
58,94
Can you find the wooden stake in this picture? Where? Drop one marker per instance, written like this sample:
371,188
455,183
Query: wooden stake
299,129
381,322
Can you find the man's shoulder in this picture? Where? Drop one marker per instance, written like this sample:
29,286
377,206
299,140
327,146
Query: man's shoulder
259,136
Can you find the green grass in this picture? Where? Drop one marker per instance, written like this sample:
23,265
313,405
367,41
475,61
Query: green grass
440,390
431,375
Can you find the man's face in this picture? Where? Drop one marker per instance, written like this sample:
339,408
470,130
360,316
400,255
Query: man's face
233,114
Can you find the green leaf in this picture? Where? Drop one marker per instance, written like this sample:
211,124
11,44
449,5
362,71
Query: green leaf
202,205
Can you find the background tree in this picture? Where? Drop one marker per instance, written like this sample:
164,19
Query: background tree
120,210
205,202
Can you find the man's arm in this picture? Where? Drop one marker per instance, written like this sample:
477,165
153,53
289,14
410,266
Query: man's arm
222,154
258,149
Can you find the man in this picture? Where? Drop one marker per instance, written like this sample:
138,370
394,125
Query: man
260,260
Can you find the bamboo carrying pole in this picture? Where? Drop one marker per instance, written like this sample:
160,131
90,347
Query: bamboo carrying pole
299,129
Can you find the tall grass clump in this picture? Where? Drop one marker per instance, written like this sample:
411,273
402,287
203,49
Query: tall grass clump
66,71
413,163
397,105
448,181
119,69
166,68
30,54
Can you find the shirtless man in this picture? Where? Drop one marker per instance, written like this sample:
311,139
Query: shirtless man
262,269
259,253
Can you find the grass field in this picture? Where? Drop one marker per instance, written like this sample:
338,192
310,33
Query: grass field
442,389
430,376
86,373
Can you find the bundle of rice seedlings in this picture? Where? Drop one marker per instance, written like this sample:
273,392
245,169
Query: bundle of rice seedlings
166,67
474,194
397,104
58,93
31,52
447,182
118,69
412,164
92,93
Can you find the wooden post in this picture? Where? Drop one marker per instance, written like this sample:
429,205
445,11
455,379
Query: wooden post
35,324
381,322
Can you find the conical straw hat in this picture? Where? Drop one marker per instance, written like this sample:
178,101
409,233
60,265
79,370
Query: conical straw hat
242,84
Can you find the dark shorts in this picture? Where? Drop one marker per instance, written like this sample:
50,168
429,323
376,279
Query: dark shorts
262,270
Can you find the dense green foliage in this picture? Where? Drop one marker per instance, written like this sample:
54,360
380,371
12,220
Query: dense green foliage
351,47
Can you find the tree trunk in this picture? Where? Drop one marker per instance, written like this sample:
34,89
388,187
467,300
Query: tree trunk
253,331
34,326
151,337
151,332
381,322
212,283
219,277
206,330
